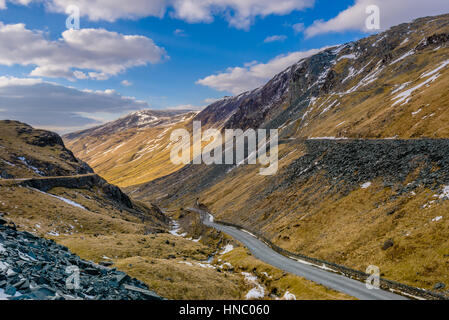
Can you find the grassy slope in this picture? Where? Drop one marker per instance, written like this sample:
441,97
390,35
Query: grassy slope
129,157
348,229
106,231
104,227
371,113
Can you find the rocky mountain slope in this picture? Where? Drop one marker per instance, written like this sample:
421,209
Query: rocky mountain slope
387,85
351,202
351,189
137,120
131,150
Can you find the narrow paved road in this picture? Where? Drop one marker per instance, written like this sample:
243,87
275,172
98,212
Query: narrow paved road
329,279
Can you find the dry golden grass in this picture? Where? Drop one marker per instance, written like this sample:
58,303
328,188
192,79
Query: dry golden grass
122,246
172,266
350,229
369,113
176,280
130,157
108,232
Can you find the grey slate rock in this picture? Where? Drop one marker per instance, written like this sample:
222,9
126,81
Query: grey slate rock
106,263
10,290
36,270
439,286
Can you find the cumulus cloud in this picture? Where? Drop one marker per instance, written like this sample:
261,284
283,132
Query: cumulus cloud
53,106
391,13
275,38
252,75
239,13
78,54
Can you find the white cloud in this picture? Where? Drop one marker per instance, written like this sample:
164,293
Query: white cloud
50,105
240,79
111,10
126,83
239,13
275,38
99,52
13,81
391,13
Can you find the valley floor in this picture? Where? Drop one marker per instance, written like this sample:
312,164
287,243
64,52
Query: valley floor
193,265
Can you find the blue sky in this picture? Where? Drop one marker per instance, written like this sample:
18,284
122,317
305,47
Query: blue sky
190,46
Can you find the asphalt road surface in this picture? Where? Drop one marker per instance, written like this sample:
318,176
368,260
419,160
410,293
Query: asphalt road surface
328,279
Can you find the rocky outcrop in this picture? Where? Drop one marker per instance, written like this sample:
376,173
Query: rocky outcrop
349,163
40,138
33,268
80,182
31,152
433,41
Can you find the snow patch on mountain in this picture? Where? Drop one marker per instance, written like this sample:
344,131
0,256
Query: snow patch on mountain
407,54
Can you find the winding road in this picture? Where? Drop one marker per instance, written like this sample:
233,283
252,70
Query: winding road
308,271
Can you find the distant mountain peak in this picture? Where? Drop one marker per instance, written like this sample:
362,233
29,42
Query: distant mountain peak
139,119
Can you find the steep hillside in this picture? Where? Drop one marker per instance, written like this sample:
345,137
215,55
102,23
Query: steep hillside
351,189
387,85
132,150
